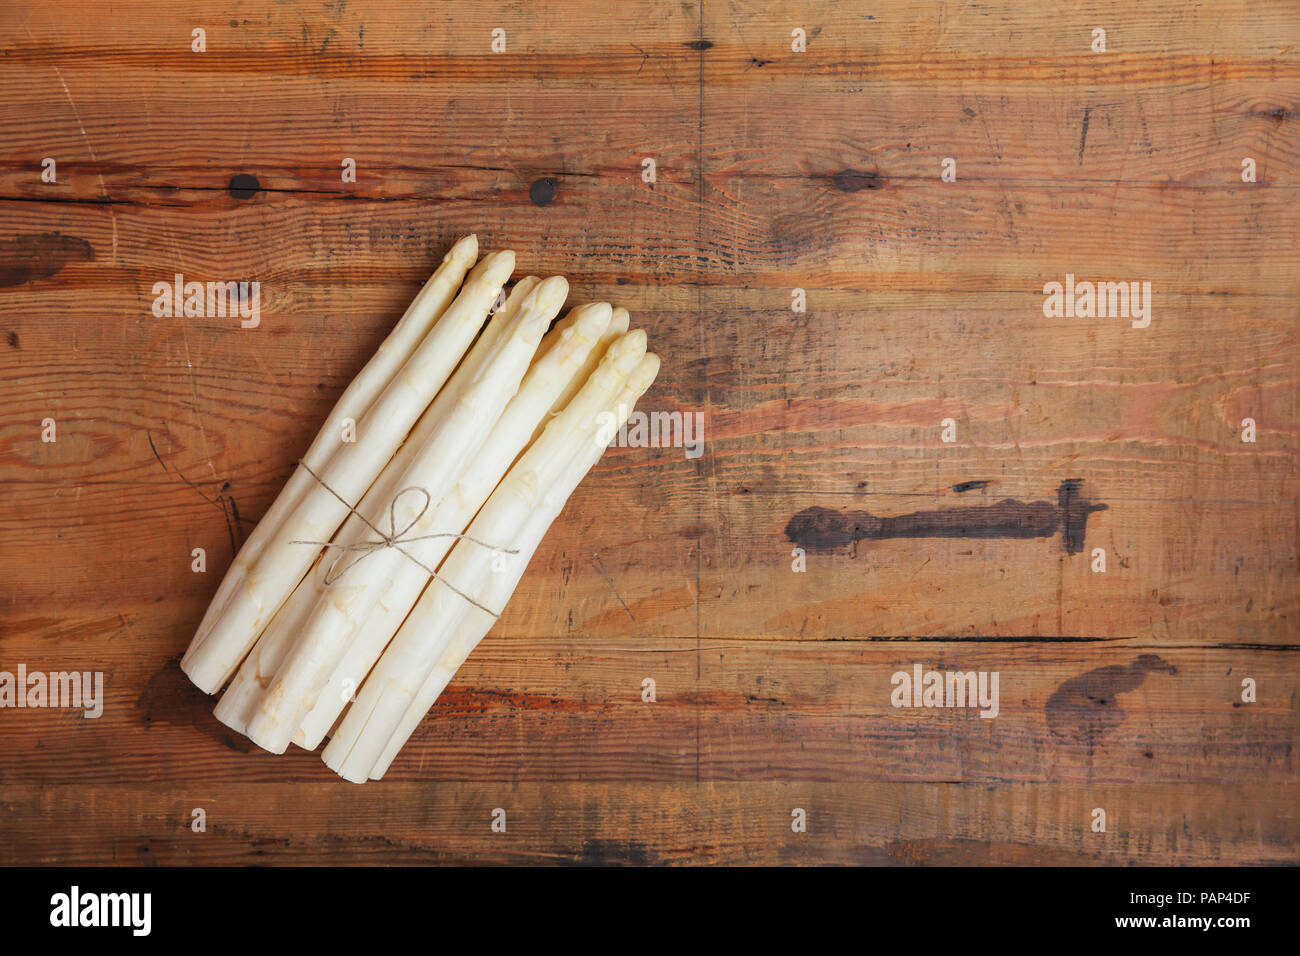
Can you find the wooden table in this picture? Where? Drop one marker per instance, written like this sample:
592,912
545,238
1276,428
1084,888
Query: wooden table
774,171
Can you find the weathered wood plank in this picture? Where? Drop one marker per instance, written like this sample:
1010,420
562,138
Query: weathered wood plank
904,237
413,140
603,823
530,705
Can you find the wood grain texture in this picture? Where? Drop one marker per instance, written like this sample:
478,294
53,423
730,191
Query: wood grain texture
775,171
658,823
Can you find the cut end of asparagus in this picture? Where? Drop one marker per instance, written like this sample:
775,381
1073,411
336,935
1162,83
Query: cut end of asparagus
233,716
201,674
269,738
206,669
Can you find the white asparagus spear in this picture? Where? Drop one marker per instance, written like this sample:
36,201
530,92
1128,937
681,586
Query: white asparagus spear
429,303
239,702
618,325
371,719
352,596
349,471
500,587
492,332
562,356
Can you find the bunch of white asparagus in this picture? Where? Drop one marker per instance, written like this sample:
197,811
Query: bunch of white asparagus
386,558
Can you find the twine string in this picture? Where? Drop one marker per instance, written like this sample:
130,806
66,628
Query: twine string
393,539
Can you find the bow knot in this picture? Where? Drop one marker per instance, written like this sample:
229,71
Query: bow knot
393,539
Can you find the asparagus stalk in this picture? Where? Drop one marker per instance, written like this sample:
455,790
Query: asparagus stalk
350,599
239,702
500,586
210,662
562,357
429,303
371,720
618,325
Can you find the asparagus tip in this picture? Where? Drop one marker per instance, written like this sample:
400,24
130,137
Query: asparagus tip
619,322
646,372
624,353
551,293
465,249
591,321
496,267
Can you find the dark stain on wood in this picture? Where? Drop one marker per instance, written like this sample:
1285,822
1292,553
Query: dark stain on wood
30,258
963,486
13,339
244,186
1074,514
824,530
612,853
700,44
856,180
542,191
1085,707
170,698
